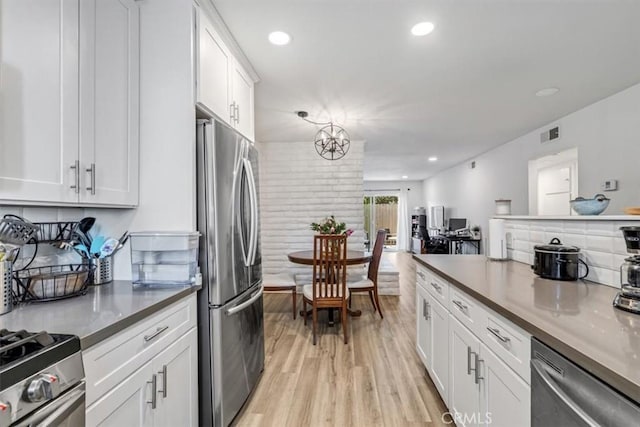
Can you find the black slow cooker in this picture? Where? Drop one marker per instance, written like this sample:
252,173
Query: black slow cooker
558,262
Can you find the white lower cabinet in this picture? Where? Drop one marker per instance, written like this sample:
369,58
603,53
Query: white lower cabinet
504,396
480,386
147,374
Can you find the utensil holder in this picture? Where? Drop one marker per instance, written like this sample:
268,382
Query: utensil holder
103,270
6,294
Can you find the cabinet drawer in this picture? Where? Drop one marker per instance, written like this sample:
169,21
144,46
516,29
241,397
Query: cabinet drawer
108,363
468,311
510,343
435,285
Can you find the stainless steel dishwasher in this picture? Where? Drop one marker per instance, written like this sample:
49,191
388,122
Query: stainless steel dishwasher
563,394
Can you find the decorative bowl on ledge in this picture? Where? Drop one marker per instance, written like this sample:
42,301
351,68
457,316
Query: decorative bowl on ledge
594,206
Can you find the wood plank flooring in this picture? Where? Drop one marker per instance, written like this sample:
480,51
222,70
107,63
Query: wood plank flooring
375,380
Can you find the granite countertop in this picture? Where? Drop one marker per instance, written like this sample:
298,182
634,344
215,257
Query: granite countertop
575,318
102,312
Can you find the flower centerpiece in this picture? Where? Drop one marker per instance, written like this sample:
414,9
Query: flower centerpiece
329,225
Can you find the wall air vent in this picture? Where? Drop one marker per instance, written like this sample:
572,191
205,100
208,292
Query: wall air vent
550,135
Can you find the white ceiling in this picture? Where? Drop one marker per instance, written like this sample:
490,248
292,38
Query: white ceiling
465,88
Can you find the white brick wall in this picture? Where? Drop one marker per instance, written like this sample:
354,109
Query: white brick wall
298,187
601,243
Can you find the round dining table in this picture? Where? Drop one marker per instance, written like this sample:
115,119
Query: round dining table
306,257
353,258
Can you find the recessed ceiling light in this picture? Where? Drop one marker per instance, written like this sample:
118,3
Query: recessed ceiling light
433,159
279,38
422,28
405,177
547,91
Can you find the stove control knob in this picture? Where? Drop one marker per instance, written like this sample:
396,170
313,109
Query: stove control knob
5,414
44,387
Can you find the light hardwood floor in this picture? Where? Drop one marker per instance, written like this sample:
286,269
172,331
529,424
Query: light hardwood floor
375,380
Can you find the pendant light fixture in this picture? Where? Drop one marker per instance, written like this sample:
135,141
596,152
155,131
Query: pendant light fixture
332,141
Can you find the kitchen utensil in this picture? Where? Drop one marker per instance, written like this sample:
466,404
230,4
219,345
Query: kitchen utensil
632,211
86,224
108,247
82,250
594,206
96,244
15,230
558,262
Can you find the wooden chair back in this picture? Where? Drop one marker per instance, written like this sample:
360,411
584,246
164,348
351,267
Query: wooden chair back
329,268
374,264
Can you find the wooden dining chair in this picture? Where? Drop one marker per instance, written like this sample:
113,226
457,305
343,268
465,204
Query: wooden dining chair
369,283
329,280
281,282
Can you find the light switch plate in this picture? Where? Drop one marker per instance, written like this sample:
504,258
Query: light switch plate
609,185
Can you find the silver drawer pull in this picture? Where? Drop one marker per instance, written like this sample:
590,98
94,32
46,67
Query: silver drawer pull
460,305
436,286
421,274
158,331
498,335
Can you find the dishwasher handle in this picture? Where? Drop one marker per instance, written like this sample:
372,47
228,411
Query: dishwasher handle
538,368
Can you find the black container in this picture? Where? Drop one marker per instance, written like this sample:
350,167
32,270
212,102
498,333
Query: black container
631,239
557,262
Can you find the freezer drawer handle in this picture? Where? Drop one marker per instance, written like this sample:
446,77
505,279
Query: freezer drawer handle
158,331
255,297
538,367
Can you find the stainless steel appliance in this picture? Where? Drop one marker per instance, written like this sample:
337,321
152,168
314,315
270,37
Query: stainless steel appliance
558,262
41,380
563,394
231,342
629,296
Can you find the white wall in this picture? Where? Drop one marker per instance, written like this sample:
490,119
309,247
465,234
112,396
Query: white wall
298,187
607,135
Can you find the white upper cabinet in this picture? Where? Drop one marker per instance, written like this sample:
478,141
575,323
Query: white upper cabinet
38,100
214,70
69,102
223,86
109,101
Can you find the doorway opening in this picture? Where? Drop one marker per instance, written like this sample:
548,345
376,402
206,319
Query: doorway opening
381,211
553,182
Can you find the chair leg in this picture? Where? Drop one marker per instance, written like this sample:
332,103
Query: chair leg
315,323
304,310
349,302
344,320
372,301
375,293
294,303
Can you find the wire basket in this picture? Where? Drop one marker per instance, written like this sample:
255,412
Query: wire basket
16,231
52,282
51,232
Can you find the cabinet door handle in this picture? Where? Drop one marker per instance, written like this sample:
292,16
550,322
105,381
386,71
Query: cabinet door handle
469,360
164,381
497,334
477,377
158,331
460,305
436,286
154,391
428,311
92,177
232,107
237,113
76,177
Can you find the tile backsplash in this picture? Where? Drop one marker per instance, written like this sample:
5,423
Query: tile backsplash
601,243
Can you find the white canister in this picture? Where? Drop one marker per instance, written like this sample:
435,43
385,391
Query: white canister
503,207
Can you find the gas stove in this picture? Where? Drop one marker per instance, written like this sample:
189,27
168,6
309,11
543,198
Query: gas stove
35,370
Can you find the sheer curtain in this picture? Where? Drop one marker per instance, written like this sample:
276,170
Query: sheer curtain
403,221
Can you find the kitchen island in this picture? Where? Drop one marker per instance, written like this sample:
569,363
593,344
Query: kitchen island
575,318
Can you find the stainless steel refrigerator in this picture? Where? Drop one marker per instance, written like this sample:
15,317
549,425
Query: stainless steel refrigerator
230,314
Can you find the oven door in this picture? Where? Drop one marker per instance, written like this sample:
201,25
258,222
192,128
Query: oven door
67,410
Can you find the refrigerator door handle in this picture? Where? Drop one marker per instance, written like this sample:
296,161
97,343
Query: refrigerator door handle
246,254
253,248
247,303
